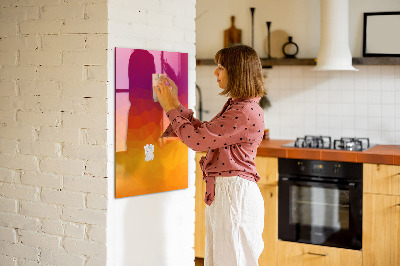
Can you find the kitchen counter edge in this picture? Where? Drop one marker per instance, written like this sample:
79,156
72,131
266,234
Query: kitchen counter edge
378,154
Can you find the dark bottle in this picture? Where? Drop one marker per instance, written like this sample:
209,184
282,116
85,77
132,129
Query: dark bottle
290,49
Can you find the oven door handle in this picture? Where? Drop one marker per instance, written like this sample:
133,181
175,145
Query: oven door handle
297,181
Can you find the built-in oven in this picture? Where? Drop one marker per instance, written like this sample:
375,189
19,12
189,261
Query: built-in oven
320,202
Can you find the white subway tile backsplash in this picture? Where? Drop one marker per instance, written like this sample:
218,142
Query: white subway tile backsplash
388,97
388,111
322,74
286,120
361,123
397,96
308,72
388,124
374,111
374,97
348,133
361,110
338,104
360,133
310,130
285,132
322,121
387,72
374,84
347,122
334,109
310,96
335,122
335,95
297,97
375,136
284,72
322,109
297,72
374,123
347,110
360,97
373,70
389,136
388,84
397,72
348,96
284,83
347,77
297,83
310,109
322,95
322,82
334,81
360,83
397,110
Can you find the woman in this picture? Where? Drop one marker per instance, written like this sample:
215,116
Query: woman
235,207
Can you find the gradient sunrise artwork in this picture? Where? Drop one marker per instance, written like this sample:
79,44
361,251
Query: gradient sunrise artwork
144,162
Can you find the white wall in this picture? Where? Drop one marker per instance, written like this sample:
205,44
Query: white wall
154,229
53,185
338,104
299,18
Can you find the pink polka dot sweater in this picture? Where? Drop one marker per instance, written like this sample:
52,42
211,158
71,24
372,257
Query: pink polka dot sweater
231,139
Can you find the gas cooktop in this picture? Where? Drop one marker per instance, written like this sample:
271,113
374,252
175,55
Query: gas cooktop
325,142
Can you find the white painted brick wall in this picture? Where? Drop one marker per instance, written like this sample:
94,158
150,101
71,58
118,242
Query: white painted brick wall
8,234
53,227
75,230
53,107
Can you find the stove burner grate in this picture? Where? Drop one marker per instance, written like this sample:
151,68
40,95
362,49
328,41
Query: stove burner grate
351,144
321,142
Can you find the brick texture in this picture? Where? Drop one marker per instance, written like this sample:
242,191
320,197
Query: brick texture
53,57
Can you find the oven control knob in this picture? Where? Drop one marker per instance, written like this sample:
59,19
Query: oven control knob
302,167
336,169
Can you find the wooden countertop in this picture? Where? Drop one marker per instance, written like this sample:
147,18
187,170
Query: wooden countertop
379,154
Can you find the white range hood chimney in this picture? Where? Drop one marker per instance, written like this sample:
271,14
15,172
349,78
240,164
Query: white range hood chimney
334,51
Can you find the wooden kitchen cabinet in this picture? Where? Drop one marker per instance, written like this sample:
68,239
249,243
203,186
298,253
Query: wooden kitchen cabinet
200,208
270,233
298,254
381,230
381,215
381,179
267,168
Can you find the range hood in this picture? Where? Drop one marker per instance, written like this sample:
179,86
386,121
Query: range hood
334,51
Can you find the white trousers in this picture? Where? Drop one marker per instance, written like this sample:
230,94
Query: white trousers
234,223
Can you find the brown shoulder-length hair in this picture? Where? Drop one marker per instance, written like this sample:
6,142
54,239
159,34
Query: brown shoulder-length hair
245,78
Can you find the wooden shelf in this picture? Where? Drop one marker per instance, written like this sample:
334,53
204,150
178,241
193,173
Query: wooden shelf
376,61
312,61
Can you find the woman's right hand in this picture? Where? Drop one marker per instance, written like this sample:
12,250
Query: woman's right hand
174,91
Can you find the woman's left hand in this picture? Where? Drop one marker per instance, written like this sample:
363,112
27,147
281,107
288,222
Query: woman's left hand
163,92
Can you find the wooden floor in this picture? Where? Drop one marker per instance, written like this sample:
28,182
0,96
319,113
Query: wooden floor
199,262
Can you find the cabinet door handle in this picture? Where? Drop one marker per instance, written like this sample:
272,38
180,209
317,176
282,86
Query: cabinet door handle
318,254
398,204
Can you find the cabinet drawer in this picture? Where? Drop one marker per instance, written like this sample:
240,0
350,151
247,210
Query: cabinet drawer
294,254
381,179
